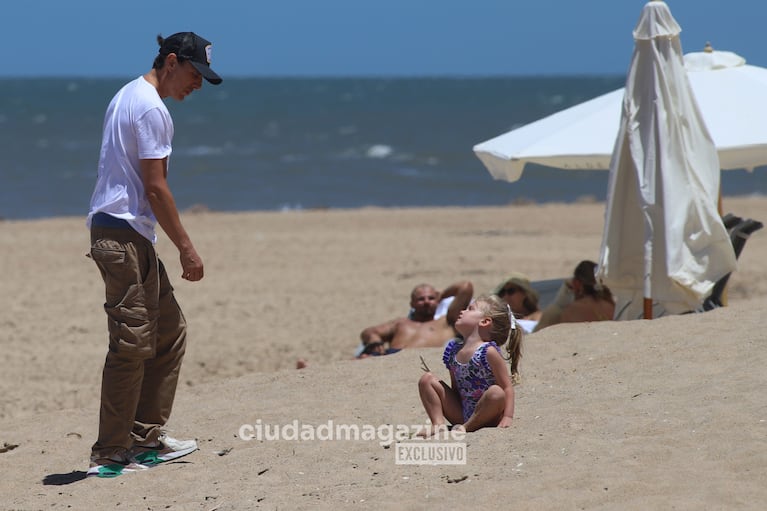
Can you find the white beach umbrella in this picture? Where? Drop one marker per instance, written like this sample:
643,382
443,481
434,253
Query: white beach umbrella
664,243
730,94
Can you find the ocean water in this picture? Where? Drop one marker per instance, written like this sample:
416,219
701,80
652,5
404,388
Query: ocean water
302,143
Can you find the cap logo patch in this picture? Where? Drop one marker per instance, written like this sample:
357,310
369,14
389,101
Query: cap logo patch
207,53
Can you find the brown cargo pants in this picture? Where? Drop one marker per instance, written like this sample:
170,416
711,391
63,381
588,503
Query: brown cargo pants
147,339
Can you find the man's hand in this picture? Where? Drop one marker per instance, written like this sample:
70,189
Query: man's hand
191,264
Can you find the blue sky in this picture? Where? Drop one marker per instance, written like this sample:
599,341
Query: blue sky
362,37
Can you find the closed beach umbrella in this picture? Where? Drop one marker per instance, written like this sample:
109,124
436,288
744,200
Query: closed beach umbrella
664,242
730,94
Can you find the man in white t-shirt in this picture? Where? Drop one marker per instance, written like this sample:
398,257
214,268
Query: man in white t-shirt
147,330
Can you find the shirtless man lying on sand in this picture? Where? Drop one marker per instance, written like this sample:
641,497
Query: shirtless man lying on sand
420,329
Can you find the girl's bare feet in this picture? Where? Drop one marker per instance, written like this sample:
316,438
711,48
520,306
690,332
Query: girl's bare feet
432,430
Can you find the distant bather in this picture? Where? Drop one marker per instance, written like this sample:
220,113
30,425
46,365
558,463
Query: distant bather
581,298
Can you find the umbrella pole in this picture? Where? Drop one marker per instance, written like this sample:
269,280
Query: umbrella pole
648,308
648,257
648,301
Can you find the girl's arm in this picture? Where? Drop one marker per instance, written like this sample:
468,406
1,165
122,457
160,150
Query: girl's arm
454,386
502,379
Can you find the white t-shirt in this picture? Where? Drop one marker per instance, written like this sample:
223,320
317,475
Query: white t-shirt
137,126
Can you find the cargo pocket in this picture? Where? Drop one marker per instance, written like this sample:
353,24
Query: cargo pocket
132,327
107,252
116,267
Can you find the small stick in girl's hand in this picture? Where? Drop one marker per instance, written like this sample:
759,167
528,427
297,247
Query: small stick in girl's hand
423,365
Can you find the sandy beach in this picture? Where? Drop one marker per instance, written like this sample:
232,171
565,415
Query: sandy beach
662,414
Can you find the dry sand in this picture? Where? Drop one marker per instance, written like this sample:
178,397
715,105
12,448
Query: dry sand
662,414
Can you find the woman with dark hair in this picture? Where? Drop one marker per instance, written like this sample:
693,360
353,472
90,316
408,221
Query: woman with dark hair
593,301
581,298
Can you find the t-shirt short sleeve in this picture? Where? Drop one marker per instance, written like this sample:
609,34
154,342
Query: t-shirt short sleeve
153,134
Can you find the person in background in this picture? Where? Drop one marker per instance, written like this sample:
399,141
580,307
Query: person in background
147,330
421,328
517,291
581,298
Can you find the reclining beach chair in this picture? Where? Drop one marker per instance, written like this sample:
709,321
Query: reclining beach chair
740,230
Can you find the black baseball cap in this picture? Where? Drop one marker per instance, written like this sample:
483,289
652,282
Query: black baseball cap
189,46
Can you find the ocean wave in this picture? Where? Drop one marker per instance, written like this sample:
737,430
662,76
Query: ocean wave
291,207
379,151
293,158
201,150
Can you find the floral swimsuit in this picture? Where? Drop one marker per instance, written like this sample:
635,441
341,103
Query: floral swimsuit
472,378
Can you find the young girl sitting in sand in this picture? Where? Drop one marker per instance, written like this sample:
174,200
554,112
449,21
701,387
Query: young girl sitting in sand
481,392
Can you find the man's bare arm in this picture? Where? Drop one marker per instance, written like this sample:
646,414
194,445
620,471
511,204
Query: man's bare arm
383,333
462,291
154,176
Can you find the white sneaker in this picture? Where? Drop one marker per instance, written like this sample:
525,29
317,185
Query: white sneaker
168,449
105,467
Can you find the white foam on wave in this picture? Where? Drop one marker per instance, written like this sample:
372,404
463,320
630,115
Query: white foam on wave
202,150
293,158
379,151
409,172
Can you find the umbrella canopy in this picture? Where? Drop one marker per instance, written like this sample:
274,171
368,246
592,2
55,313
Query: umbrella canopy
664,239
730,95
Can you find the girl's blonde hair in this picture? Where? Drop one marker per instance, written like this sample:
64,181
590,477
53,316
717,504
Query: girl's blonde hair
505,330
